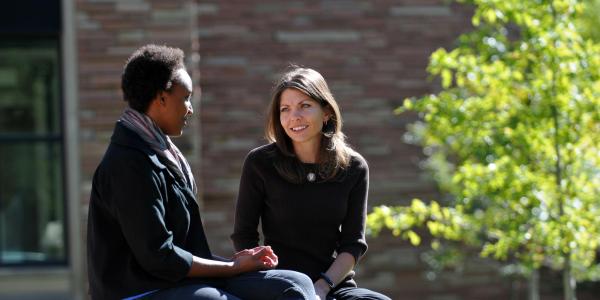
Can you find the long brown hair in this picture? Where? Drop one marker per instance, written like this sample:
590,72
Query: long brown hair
334,154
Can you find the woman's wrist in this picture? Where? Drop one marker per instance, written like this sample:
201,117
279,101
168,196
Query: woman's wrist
233,268
230,268
321,285
327,280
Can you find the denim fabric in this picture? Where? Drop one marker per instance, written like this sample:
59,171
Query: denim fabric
354,293
194,291
262,285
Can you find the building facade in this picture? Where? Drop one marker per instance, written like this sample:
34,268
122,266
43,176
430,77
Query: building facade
60,66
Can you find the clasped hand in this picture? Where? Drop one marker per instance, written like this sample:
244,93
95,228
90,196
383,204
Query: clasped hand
258,258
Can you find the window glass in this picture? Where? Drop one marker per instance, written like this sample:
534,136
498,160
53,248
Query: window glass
32,205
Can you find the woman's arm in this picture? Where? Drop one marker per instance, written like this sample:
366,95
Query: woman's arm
249,206
259,258
135,190
339,269
352,238
140,211
352,242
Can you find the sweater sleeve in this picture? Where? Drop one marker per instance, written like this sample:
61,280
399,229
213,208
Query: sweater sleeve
140,211
353,227
249,207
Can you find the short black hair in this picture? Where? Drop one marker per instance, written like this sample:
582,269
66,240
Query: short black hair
149,70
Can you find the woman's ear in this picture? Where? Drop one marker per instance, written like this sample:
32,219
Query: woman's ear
162,98
328,113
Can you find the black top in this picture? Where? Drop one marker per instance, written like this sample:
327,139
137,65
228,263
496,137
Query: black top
143,224
305,224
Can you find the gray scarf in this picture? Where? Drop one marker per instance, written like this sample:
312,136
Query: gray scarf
161,143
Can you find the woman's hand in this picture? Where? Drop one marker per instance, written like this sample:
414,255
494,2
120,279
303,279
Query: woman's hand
256,250
259,258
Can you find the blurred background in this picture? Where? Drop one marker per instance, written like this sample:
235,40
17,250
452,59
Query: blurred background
60,68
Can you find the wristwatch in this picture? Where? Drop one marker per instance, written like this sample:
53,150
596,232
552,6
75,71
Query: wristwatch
328,280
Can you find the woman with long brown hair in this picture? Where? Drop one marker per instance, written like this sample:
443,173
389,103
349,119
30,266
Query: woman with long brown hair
308,188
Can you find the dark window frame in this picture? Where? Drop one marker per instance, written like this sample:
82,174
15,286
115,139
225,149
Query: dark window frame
48,31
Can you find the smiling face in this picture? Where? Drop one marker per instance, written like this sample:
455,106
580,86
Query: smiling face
301,117
176,106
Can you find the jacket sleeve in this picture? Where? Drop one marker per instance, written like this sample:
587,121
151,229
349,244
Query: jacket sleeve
139,207
249,207
353,227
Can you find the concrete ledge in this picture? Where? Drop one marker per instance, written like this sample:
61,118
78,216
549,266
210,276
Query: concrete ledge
34,283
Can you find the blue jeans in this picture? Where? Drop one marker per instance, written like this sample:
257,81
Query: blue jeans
355,293
267,285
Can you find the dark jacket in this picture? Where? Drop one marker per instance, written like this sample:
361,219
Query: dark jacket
144,225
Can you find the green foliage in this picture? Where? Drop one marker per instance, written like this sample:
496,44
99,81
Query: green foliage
514,137
588,23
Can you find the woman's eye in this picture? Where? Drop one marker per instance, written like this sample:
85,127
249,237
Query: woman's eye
305,105
283,109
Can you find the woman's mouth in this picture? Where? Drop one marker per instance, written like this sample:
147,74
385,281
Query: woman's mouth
299,128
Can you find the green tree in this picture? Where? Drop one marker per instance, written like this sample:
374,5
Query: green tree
588,23
514,138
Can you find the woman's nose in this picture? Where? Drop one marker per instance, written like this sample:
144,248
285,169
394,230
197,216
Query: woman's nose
296,114
190,109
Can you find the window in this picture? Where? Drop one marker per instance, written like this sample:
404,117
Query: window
32,200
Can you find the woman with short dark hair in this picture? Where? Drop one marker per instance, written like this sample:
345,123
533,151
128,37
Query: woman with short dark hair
308,188
145,234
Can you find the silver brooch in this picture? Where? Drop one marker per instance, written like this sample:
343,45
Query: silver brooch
311,176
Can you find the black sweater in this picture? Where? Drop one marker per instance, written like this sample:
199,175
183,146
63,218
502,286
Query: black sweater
305,224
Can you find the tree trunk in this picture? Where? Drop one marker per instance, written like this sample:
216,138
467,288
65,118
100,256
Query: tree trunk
568,280
534,285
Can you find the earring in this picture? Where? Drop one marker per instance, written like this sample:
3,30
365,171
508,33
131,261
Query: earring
328,128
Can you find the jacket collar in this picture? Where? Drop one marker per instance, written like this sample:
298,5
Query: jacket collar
124,136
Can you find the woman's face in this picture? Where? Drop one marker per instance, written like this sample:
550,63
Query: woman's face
301,117
178,106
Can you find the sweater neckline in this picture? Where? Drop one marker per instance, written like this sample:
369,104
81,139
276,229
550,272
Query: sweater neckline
309,164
